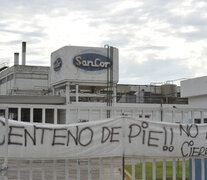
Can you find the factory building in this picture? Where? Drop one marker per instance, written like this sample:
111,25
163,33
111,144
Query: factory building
69,77
78,75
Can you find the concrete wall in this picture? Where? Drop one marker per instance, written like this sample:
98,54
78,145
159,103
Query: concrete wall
31,84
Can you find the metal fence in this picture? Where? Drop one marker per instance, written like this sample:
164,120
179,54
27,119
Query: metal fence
99,169
103,168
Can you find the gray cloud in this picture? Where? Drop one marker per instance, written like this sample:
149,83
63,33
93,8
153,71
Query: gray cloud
154,70
30,33
123,31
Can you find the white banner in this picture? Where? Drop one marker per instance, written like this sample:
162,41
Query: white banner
115,137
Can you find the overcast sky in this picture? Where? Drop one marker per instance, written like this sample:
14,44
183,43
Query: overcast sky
158,40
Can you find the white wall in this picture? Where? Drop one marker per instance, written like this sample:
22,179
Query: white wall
6,87
196,91
69,72
198,101
194,87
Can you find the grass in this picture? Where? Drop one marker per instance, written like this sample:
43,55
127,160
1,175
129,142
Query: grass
159,170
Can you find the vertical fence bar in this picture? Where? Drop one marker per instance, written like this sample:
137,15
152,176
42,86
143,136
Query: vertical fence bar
66,169
78,169
183,169
143,169
133,169
100,169
202,169
30,170
122,168
54,170
112,168
89,169
193,169
192,159
43,170
164,169
154,169
174,169
18,170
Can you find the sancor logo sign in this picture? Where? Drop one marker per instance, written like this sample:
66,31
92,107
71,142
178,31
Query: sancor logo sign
57,64
91,62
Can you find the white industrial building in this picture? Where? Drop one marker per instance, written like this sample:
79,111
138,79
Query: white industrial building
78,77
195,90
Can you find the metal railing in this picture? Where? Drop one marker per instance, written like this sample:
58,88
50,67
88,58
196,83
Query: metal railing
100,168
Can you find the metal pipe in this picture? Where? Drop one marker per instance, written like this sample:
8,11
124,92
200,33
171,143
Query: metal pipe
16,58
23,53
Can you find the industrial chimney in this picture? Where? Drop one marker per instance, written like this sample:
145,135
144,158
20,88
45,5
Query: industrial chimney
16,58
23,53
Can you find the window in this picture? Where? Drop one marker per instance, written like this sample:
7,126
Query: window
25,114
37,115
49,116
197,121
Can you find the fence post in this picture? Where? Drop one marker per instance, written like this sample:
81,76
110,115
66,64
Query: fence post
164,169
100,169
78,169
183,169
154,169
133,169
5,164
143,169
123,164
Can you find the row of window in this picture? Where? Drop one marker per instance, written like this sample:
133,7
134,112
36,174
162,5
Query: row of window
37,115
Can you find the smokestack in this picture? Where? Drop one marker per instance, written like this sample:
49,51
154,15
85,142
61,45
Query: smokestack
16,58
23,53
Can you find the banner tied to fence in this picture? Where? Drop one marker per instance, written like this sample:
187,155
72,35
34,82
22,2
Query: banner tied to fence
108,138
